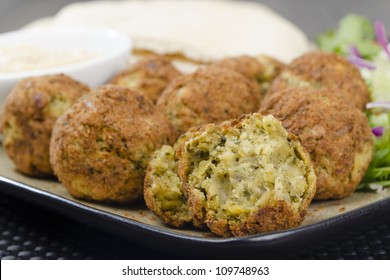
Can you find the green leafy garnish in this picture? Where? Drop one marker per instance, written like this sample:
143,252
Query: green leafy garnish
378,173
366,45
379,80
353,30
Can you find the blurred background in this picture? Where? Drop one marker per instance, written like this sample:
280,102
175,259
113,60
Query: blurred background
15,14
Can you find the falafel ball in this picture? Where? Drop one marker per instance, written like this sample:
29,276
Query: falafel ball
333,130
163,188
321,70
262,69
150,76
28,116
101,146
246,176
211,94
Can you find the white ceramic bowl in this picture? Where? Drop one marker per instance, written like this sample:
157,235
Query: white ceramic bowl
112,49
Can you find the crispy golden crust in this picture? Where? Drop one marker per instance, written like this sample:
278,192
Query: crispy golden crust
28,116
212,94
149,76
335,133
275,215
320,70
266,219
196,202
261,70
162,186
100,147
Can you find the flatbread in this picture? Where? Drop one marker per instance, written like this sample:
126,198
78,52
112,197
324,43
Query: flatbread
200,30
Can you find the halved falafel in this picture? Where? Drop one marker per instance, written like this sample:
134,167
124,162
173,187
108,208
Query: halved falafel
246,176
163,188
211,94
101,146
321,70
28,116
150,76
333,130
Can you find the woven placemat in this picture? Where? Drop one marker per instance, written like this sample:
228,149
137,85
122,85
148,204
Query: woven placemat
30,232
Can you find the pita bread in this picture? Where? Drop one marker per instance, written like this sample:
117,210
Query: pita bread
200,30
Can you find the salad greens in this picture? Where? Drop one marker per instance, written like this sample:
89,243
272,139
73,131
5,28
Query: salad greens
352,30
378,173
379,80
366,45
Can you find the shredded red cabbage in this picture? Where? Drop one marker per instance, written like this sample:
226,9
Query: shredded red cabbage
378,131
382,37
361,63
353,50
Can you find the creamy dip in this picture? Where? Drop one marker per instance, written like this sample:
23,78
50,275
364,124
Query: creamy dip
24,58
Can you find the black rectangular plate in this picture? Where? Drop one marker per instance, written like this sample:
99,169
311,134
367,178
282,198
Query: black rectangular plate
167,240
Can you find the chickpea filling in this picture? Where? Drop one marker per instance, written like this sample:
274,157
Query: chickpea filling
166,185
243,168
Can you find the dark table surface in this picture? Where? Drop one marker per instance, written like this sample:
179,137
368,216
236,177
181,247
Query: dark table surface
28,231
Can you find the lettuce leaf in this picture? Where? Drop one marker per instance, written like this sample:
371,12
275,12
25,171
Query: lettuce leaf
354,30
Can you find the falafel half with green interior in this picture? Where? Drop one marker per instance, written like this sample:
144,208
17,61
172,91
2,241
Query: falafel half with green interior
163,192
246,176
